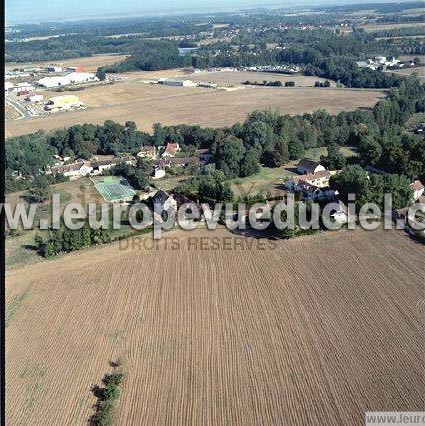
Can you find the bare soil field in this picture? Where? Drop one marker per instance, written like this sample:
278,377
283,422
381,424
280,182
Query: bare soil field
316,330
89,64
147,104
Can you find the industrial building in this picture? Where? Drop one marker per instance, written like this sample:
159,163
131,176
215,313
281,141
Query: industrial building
208,85
54,68
74,69
21,88
66,80
173,82
63,103
34,97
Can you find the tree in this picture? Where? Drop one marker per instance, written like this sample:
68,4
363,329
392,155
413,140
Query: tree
40,190
250,164
370,150
296,149
112,392
158,138
101,74
335,160
229,156
278,156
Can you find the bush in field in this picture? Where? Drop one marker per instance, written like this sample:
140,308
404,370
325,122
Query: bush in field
106,398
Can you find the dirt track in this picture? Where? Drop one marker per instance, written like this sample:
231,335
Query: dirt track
316,330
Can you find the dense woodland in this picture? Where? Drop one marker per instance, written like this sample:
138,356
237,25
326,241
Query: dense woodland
323,53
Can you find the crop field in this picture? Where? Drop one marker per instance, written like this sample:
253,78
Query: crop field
315,330
388,26
147,104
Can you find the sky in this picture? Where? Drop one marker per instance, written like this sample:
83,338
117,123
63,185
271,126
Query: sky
18,11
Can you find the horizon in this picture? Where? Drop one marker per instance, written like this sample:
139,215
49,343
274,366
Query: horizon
18,12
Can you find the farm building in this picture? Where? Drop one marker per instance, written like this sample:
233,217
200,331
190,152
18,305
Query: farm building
63,102
73,171
306,166
147,152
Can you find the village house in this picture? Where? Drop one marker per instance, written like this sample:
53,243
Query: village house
147,152
171,150
306,166
164,202
73,171
170,203
418,189
312,186
100,166
319,179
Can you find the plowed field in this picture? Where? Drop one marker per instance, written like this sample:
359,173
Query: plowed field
315,330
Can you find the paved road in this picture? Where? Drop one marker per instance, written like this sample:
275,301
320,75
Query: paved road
14,103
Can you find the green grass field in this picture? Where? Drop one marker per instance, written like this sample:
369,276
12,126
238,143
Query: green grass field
114,188
267,180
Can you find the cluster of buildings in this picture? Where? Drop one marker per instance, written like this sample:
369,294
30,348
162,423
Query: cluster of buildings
19,88
381,62
81,167
168,158
313,181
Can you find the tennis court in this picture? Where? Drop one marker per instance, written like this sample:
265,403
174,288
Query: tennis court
114,188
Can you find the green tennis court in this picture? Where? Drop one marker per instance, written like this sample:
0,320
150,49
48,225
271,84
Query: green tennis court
114,188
